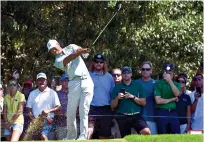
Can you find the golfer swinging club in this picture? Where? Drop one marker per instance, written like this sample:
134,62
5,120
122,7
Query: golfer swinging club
80,85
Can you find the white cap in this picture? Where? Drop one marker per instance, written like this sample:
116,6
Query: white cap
1,86
51,43
41,75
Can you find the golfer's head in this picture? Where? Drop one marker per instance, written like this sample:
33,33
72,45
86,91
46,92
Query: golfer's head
54,47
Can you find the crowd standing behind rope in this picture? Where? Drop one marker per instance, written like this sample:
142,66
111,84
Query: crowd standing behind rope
119,106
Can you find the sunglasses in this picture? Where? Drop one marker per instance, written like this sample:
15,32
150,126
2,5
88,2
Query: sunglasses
101,62
126,73
181,81
198,79
146,69
12,84
118,75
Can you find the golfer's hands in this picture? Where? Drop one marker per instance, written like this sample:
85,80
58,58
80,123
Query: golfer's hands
83,50
120,96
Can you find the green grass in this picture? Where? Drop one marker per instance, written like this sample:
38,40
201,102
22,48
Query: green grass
152,138
165,138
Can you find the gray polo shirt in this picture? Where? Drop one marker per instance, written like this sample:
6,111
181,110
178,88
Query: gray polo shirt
75,68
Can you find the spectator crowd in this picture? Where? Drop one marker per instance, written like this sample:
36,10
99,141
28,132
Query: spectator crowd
117,106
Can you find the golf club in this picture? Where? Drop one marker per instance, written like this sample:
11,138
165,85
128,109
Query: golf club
118,6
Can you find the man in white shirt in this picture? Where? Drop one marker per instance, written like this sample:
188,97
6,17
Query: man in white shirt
43,101
80,85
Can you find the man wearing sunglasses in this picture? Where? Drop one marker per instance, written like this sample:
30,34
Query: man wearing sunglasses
13,111
100,105
117,75
166,94
197,100
127,99
148,111
80,85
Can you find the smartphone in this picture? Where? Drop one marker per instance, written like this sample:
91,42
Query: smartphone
122,90
198,91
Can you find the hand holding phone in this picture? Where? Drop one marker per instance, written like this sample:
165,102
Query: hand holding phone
198,91
121,94
122,90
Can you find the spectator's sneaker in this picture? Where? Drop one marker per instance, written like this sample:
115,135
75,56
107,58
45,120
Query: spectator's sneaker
81,138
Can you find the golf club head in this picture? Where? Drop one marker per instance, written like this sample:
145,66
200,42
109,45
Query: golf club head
118,6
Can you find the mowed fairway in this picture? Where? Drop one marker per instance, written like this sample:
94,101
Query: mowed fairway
152,138
108,140
165,138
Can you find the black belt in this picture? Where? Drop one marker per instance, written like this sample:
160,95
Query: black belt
106,106
169,110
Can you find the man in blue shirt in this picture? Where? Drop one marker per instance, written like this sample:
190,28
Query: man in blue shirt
148,111
80,85
100,105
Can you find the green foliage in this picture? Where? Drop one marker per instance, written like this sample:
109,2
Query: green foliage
161,32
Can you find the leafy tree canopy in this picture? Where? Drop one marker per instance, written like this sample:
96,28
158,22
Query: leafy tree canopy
161,32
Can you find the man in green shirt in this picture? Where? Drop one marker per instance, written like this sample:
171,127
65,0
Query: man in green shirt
127,99
166,94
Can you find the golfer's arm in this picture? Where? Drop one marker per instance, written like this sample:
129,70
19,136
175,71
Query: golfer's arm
19,112
30,114
71,57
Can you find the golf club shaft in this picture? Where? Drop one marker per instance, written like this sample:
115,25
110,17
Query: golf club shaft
104,28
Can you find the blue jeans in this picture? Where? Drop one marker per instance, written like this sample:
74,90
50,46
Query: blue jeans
17,127
47,128
167,119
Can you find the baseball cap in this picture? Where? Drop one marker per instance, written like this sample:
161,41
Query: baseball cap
64,76
41,75
28,83
183,75
168,67
51,43
99,57
126,68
